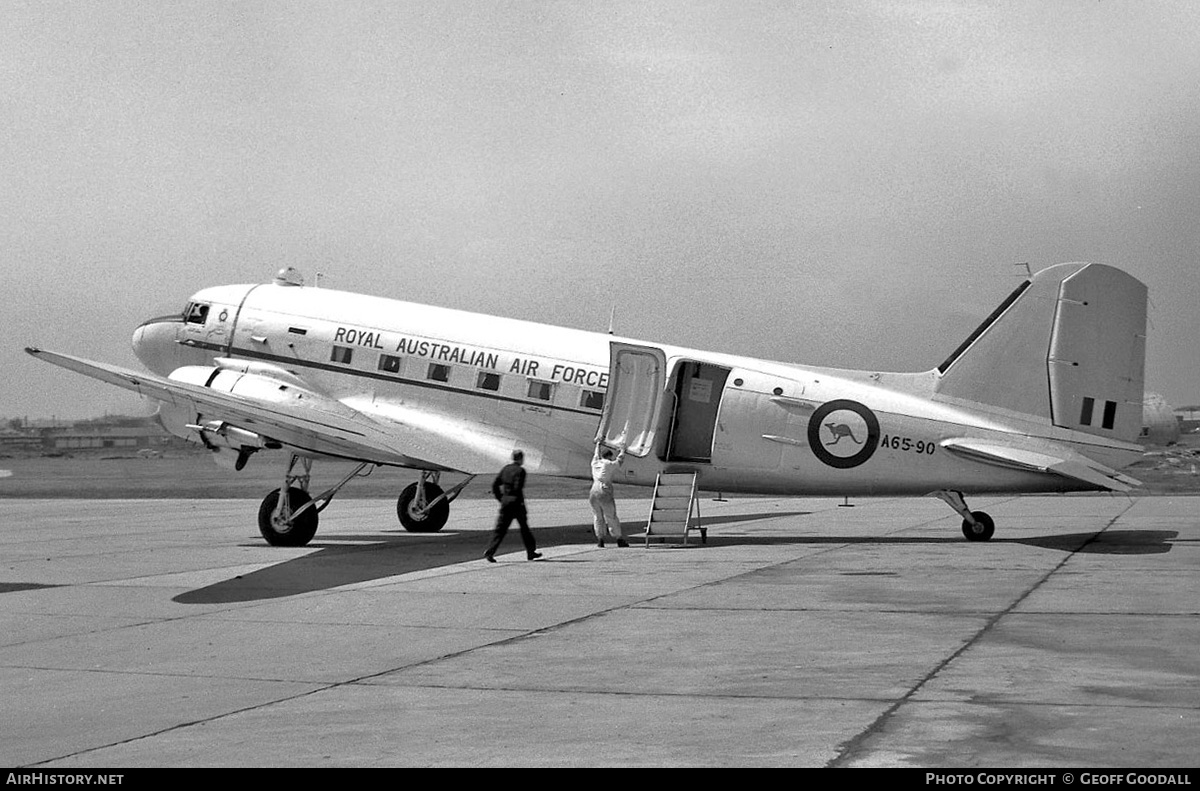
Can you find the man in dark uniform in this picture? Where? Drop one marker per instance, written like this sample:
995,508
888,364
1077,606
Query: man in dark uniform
509,489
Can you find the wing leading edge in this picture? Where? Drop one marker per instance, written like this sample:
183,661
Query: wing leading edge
335,429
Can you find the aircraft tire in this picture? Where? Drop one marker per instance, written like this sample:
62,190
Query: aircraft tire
433,520
982,531
301,531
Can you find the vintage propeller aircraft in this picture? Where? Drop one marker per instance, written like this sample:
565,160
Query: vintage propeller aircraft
1045,396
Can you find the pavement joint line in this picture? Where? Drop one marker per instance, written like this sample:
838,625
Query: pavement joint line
846,753
568,622
850,747
806,697
822,551
324,687
581,619
862,746
177,726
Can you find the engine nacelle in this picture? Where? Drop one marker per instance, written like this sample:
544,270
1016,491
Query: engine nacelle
231,446
260,383
253,382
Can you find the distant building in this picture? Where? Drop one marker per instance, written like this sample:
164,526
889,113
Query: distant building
1189,418
11,441
110,433
1160,426
105,437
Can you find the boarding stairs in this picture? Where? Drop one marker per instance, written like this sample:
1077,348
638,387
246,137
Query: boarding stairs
674,511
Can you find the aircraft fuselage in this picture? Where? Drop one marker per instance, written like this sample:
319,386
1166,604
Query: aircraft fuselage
745,425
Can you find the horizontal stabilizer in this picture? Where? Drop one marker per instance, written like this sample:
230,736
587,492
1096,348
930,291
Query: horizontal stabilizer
1061,462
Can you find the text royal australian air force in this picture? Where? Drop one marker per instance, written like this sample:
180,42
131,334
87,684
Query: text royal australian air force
439,351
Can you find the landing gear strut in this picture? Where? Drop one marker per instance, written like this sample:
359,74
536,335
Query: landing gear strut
977,525
288,515
423,507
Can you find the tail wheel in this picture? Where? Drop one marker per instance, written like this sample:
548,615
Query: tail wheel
279,533
981,530
432,520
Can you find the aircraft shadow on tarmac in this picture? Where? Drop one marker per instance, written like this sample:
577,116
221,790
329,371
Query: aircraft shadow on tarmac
1109,542
15,587
389,554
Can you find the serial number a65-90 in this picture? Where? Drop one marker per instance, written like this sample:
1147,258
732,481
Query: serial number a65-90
896,442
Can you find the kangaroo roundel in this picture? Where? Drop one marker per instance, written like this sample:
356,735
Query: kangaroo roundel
843,433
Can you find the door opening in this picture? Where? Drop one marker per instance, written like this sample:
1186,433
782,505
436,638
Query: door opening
697,389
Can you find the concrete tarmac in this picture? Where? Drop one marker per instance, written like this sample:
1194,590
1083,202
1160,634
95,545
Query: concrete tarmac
167,633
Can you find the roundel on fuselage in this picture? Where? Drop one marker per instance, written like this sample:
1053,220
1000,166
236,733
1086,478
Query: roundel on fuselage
843,433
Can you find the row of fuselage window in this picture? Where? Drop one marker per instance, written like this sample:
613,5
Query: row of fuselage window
536,390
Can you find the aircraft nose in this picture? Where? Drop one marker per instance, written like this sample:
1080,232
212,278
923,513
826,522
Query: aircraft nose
154,341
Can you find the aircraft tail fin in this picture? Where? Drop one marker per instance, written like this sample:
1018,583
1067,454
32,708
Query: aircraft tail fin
1067,345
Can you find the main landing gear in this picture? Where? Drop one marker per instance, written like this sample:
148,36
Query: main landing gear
288,515
423,507
977,525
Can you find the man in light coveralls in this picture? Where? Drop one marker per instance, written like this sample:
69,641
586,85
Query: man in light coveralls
604,468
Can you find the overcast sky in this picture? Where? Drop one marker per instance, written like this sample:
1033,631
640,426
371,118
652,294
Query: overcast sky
843,184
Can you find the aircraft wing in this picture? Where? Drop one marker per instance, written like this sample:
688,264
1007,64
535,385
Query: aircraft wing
461,443
1060,461
330,428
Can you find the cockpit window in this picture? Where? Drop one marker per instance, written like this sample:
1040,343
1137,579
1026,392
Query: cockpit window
195,313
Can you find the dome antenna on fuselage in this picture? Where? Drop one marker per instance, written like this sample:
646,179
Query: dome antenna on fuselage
289,276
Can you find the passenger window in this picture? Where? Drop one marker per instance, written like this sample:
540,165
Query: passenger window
342,354
543,391
591,399
389,363
195,313
488,381
438,372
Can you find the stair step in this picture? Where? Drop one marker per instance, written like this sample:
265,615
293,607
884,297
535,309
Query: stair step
671,510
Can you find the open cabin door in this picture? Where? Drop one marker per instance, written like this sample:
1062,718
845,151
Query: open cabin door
636,382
